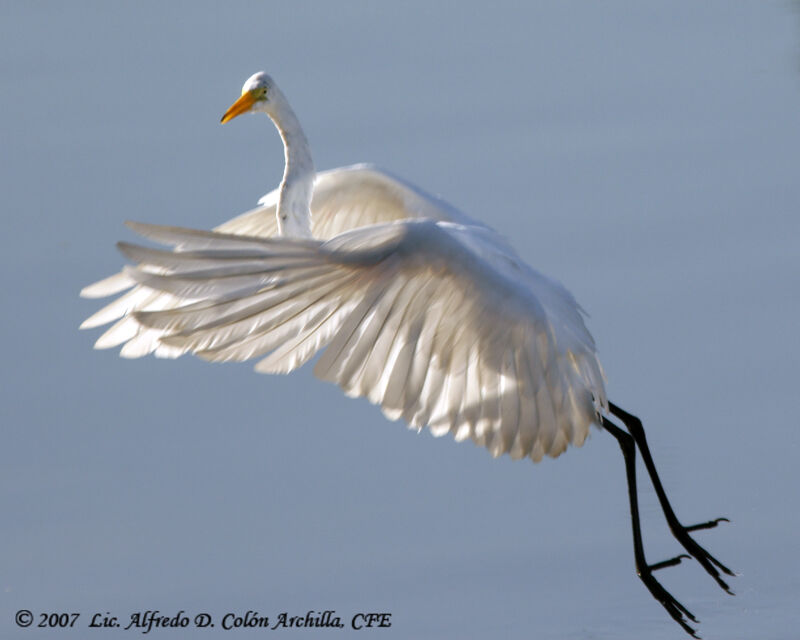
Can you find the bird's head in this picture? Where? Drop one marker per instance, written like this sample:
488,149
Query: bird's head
257,94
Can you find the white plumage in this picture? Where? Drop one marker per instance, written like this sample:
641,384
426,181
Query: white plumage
425,312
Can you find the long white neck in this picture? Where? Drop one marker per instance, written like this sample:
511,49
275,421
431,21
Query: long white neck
294,199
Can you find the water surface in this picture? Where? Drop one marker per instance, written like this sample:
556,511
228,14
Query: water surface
645,156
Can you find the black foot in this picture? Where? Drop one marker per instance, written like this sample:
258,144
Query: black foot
706,560
669,563
675,609
706,525
629,442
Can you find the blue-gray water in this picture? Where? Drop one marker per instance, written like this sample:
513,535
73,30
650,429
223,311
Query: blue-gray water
647,156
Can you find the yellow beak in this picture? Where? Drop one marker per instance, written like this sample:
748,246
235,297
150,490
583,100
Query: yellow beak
242,105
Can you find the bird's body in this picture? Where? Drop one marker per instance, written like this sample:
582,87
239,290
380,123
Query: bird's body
427,313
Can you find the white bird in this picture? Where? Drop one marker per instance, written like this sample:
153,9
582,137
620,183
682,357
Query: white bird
429,314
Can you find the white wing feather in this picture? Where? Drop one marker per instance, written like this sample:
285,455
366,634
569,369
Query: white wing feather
438,323
344,199
347,198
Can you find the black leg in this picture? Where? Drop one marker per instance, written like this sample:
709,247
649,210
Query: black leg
676,610
681,533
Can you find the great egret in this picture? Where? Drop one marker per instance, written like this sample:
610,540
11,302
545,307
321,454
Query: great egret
427,313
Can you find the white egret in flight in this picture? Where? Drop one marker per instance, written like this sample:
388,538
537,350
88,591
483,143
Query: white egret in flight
427,313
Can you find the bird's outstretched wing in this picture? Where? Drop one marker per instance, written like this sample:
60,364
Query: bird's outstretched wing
347,198
434,321
344,198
